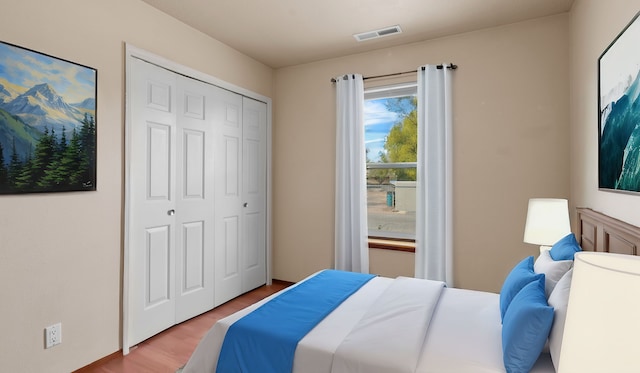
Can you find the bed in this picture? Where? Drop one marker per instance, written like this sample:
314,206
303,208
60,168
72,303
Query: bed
409,325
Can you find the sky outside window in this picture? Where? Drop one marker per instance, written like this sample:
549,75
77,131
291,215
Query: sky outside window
378,120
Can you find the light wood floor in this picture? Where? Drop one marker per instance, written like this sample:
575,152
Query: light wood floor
171,349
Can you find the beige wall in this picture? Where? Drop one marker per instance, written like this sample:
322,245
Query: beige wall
61,254
594,25
390,263
511,123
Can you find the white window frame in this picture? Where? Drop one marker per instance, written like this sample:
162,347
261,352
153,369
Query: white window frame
391,91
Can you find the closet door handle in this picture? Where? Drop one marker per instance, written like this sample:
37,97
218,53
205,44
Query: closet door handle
171,212
245,204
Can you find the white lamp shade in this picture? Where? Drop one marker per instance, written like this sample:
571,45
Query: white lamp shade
602,326
547,221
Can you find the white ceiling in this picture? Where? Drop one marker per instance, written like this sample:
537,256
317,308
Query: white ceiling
282,33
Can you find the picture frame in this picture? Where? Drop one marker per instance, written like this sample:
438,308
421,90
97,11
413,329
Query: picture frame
619,112
48,119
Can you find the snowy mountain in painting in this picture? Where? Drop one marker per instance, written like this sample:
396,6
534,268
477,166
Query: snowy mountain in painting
88,104
5,95
42,107
9,91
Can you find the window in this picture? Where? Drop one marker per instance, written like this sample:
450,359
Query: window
390,117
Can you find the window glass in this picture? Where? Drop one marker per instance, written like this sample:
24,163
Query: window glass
390,116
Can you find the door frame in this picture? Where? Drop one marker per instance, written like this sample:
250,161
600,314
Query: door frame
132,52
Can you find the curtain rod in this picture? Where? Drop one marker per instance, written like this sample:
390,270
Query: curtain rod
439,67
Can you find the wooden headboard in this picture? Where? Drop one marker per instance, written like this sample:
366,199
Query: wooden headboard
599,232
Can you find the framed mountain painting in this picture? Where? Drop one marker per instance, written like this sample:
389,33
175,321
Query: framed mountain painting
47,123
619,112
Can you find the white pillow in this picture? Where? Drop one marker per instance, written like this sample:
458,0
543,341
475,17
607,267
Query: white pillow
559,300
553,270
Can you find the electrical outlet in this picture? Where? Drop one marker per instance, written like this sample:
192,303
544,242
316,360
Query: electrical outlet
52,335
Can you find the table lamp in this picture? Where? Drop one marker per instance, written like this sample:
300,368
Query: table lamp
602,326
547,221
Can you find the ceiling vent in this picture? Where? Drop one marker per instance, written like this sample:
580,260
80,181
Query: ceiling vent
392,30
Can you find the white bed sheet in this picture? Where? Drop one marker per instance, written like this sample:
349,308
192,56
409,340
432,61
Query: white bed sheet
464,335
389,338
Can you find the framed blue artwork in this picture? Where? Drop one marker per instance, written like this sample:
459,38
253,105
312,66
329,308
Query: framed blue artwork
47,123
619,112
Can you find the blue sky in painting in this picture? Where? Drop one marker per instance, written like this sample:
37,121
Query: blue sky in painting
25,68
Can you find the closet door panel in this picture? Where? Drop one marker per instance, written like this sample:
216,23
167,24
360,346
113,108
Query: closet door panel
157,271
228,211
194,257
159,161
254,188
151,190
231,167
231,248
195,199
253,247
194,165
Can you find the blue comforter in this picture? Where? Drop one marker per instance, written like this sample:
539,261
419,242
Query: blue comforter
265,340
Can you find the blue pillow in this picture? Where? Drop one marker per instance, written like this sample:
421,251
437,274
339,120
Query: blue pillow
565,248
519,276
525,328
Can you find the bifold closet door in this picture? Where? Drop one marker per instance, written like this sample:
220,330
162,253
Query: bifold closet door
240,194
228,212
194,200
254,172
170,200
